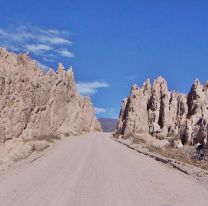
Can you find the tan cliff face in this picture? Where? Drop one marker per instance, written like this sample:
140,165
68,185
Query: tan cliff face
34,104
163,114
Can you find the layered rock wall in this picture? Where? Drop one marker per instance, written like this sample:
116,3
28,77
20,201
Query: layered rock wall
34,104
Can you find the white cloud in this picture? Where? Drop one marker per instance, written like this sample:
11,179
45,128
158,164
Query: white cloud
46,59
90,88
66,53
45,43
37,48
55,40
99,110
54,31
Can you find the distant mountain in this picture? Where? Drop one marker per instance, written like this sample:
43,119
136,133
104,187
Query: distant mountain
108,124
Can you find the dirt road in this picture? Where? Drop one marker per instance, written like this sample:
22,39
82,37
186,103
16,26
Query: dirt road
93,170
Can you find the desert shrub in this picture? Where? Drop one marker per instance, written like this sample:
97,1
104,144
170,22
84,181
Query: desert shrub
38,147
139,140
49,138
171,134
126,136
116,135
67,134
173,140
201,153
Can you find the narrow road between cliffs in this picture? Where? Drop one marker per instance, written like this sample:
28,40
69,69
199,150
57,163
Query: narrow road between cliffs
94,170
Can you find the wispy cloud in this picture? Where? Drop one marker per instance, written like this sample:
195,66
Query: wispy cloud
106,112
90,88
55,40
45,43
38,48
99,110
66,53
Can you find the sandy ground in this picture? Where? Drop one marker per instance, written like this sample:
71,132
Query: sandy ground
93,170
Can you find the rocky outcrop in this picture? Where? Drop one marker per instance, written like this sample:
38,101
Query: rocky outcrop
197,118
155,110
34,104
134,115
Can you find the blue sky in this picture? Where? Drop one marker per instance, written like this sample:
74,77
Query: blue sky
112,44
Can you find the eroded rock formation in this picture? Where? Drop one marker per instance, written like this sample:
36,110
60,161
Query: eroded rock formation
34,104
155,110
